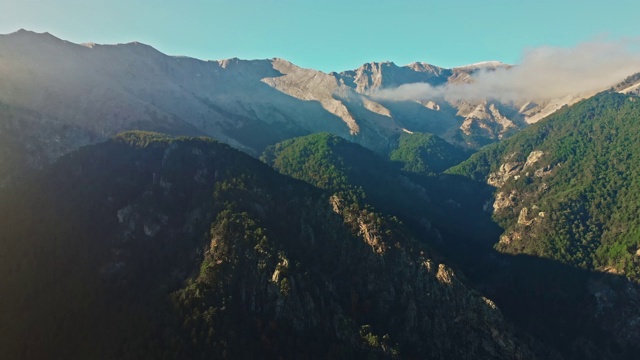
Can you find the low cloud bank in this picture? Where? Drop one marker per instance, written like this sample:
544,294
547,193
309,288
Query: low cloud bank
544,73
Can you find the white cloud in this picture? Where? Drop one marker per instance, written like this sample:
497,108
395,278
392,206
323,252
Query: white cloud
544,73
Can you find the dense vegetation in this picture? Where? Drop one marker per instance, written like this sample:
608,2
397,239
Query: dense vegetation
551,300
356,174
587,185
337,165
149,246
425,153
153,247
318,159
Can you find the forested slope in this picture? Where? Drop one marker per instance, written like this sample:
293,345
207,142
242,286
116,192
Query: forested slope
153,247
568,188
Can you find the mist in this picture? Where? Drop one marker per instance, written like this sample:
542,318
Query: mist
543,73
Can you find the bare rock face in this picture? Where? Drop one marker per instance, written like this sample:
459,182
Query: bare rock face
504,201
311,85
510,201
536,110
504,173
533,157
373,76
486,119
527,219
82,94
509,238
515,169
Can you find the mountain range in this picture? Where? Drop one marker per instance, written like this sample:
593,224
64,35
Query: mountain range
68,95
156,206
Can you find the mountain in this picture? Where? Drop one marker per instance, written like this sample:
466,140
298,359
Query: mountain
568,184
566,189
425,153
56,96
370,232
581,313
431,206
147,246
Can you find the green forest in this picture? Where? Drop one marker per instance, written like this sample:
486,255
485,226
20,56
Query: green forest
153,246
148,246
589,189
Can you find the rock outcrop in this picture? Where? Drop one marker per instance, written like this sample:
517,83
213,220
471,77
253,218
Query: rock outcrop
73,95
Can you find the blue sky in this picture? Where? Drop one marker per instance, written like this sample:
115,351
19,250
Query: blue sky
331,35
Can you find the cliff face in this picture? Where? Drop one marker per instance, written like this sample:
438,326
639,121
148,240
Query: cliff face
148,246
58,96
379,75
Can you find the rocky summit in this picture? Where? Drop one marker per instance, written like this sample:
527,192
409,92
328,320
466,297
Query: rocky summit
56,96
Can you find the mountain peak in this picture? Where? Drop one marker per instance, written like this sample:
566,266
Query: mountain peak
23,31
282,61
423,67
139,44
492,64
136,47
28,33
245,63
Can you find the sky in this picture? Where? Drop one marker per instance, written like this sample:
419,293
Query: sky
332,35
